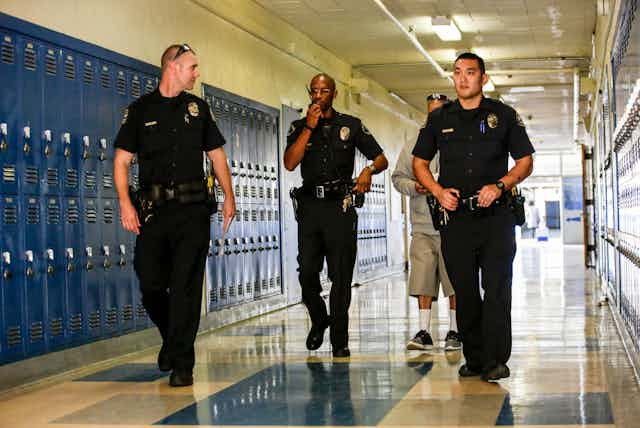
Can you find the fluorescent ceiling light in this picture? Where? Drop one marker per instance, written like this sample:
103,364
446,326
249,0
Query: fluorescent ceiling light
489,87
523,89
445,28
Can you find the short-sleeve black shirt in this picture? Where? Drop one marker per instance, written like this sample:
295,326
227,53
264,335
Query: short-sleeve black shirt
330,153
474,145
169,136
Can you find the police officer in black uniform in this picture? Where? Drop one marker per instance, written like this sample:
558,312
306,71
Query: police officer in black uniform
475,136
324,143
169,130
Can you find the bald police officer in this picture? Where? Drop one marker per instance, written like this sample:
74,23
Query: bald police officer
169,130
324,143
475,136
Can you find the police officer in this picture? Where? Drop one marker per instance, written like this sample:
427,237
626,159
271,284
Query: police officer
475,136
324,143
169,130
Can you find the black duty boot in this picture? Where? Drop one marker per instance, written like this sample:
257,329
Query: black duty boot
181,377
316,336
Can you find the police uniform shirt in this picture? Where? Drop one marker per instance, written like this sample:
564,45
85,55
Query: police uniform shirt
169,136
474,145
330,152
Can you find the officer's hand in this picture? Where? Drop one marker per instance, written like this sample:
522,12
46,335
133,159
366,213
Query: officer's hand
228,212
313,115
421,189
363,183
448,198
488,194
130,219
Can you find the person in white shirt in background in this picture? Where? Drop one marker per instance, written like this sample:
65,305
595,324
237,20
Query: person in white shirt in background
427,264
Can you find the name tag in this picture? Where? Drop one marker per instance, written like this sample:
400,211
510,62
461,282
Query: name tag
151,123
447,131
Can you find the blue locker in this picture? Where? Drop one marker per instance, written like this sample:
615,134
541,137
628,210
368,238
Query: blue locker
92,270
135,90
54,266
9,112
229,272
105,129
89,128
109,277
75,290
210,278
33,270
222,253
30,121
71,132
275,242
123,272
52,112
13,334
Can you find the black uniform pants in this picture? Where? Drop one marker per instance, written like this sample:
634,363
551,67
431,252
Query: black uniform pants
470,245
169,260
324,230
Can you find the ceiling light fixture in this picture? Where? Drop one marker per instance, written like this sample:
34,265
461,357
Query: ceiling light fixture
526,89
445,28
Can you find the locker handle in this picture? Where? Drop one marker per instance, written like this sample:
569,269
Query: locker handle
6,274
106,264
3,137
30,272
70,267
89,266
50,270
122,262
67,152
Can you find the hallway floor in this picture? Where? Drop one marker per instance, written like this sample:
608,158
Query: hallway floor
568,368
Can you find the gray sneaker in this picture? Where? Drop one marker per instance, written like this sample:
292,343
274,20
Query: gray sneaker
422,341
453,341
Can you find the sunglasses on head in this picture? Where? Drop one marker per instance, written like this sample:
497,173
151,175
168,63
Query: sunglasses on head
182,49
439,97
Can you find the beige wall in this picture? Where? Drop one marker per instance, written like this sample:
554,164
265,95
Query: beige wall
242,48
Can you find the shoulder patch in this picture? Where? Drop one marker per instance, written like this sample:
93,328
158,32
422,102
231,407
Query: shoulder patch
125,116
519,120
292,129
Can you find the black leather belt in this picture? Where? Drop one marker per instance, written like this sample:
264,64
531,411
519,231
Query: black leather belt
331,190
185,193
470,204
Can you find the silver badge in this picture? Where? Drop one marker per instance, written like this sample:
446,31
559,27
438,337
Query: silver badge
193,109
492,121
344,133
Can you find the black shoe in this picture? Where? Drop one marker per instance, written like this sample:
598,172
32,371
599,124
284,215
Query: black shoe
316,336
422,341
498,372
469,371
341,353
181,378
164,363
453,341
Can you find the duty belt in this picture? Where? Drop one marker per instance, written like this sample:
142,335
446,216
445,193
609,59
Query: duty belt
470,204
330,190
185,193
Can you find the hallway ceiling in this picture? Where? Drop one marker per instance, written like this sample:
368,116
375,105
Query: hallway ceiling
524,43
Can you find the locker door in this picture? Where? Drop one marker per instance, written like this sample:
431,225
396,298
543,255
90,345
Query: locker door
53,100
135,88
33,271
109,277
70,137
30,122
90,124
210,277
222,254
255,253
54,266
120,99
91,255
106,130
14,333
276,263
230,271
75,290
9,114
123,272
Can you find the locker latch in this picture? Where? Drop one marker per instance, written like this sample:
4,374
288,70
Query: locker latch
123,253
89,252
29,257
27,137
105,251
66,140
47,139
103,149
86,142
6,261
50,257
3,137
69,253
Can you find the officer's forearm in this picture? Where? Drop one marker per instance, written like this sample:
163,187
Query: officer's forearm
380,163
294,154
424,176
221,170
521,170
121,176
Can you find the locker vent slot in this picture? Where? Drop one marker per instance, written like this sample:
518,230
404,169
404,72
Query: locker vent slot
127,313
134,180
55,326
105,79
87,73
75,322
256,286
112,316
73,215
53,214
245,190
69,69
270,215
89,180
108,215
94,320
262,216
14,336
254,215
149,87
52,176
272,282
8,53
107,180
9,173
276,216
213,296
261,192
50,64
264,284
29,59
91,215
268,192
220,217
31,175
140,312
278,281
10,214
135,88
33,214
36,331
240,290
232,291
71,180
121,84
245,215
223,293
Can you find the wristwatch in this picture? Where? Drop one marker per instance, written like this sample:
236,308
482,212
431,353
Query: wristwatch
372,168
500,185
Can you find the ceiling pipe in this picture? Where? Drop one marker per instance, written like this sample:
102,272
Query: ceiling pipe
413,39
